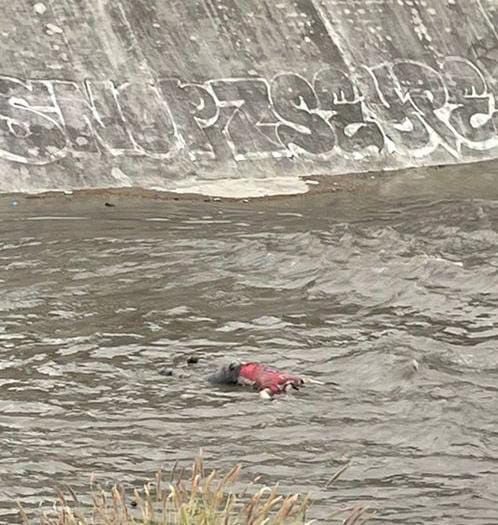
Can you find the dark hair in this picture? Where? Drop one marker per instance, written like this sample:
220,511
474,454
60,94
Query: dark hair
226,375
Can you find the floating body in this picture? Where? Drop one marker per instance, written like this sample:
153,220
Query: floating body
267,380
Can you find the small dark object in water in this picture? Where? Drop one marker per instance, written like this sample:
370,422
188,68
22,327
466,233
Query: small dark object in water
109,204
192,360
168,372
268,381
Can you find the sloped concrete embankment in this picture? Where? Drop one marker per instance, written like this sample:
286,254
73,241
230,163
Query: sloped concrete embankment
241,96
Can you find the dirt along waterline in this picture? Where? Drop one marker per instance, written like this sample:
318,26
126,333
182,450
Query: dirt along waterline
348,288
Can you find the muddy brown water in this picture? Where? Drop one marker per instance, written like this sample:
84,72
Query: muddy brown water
347,288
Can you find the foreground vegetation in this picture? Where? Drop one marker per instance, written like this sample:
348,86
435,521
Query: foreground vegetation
199,499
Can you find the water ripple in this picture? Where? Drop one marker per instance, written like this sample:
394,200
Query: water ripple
93,308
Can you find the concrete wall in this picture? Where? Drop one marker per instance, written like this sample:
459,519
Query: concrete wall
180,94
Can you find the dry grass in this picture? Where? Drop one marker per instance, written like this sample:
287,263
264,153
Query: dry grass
200,499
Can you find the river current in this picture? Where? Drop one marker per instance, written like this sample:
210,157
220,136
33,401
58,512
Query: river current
353,289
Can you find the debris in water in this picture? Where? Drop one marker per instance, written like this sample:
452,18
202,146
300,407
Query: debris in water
109,205
192,360
410,369
40,8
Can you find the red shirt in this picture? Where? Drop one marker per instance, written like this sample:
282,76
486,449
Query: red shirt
264,377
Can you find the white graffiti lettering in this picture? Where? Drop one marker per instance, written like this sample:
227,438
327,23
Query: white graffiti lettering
403,108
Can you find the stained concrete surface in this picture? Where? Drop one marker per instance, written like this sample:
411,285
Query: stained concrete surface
241,97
